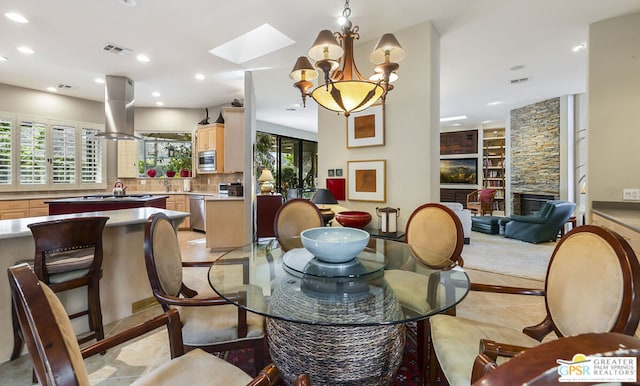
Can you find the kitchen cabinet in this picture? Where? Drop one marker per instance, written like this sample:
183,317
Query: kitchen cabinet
630,235
225,224
226,139
127,159
38,208
14,209
180,202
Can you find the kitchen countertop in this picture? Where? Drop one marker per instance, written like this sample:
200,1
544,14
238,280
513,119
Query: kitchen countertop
624,213
18,227
55,196
99,199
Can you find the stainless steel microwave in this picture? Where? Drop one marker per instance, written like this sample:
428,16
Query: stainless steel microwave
207,161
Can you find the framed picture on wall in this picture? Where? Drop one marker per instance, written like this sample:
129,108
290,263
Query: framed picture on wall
366,128
366,180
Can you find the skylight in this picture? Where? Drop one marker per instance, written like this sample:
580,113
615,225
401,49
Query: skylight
253,44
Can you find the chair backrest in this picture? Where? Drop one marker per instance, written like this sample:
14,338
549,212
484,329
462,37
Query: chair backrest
486,195
558,212
593,283
46,330
67,245
162,256
436,228
295,216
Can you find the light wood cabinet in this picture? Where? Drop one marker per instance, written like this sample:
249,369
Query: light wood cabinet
127,159
14,209
210,137
180,203
38,208
225,224
234,134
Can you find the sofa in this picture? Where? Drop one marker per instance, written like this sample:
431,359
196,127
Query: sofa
465,218
543,226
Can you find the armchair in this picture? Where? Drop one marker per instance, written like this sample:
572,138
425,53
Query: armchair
544,226
481,201
592,286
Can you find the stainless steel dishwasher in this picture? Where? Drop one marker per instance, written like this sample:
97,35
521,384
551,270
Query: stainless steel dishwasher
198,213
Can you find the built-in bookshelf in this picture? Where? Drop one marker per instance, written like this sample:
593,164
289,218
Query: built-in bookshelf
493,163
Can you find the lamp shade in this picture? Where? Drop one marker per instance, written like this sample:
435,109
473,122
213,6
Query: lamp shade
303,70
323,196
266,176
387,45
327,44
347,96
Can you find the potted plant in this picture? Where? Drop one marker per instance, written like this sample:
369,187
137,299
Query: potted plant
181,161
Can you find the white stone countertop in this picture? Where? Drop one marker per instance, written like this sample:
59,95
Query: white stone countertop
18,227
53,196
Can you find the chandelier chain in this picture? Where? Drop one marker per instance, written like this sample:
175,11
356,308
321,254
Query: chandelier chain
347,11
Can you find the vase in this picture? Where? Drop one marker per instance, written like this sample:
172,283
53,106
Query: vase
185,173
152,173
171,173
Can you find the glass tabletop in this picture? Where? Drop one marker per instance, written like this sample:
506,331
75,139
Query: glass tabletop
389,282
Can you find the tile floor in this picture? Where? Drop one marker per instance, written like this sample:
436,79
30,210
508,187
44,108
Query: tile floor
121,366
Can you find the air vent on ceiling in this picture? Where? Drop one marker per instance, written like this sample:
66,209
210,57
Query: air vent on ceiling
114,49
514,81
63,86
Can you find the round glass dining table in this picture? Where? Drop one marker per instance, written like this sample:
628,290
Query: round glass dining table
340,323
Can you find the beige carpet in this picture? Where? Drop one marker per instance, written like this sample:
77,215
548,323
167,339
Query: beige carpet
493,253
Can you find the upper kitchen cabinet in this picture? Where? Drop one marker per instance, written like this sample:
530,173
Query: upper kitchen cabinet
226,139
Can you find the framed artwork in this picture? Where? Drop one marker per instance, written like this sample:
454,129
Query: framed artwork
338,172
366,128
366,180
459,171
331,172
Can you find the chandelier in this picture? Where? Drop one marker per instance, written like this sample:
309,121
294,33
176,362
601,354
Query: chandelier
346,90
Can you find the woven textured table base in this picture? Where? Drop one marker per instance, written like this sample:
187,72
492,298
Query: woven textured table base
336,355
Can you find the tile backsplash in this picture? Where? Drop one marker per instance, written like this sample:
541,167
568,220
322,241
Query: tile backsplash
203,183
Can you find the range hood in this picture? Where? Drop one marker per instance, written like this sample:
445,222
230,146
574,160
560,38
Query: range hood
119,106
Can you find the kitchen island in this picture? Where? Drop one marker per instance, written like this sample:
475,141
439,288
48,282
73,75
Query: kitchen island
100,202
124,279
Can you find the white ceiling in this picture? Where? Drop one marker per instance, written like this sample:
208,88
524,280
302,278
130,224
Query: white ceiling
480,41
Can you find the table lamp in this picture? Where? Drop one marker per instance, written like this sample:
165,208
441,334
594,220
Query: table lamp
266,179
324,197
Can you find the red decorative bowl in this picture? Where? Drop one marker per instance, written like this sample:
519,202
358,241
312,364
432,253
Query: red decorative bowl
152,173
170,173
353,219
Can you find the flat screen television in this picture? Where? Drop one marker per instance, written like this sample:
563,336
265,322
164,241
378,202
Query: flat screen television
459,171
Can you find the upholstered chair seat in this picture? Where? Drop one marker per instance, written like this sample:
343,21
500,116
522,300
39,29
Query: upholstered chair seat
592,286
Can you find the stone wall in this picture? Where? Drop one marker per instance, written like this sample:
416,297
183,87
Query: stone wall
535,149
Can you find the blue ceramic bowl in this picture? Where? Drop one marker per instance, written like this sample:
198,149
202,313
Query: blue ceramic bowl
334,245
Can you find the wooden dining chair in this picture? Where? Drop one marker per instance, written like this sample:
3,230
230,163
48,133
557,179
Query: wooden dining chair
592,286
68,255
58,359
538,366
295,216
209,323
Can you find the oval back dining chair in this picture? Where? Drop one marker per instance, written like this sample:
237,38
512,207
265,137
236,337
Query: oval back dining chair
296,215
68,255
209,323
58,359
592,286
436,228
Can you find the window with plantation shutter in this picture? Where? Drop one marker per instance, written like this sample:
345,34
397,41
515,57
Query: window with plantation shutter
33,156
6,155
63,170
92,156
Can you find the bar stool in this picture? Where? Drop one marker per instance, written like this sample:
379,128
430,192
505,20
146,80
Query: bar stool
68,255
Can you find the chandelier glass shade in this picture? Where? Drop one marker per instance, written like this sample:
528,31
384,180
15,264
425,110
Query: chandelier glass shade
345,90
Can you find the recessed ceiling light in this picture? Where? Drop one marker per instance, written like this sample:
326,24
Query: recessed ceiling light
25,50
253,44
99,80
454,118
579,47
494,103
199,76
143,58
129,3
52,89
486,121
456,124
18,18
158,103
516,68
155,94
3,59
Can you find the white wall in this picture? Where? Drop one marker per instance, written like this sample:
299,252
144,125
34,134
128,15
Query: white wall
272,128
412,134
613,91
